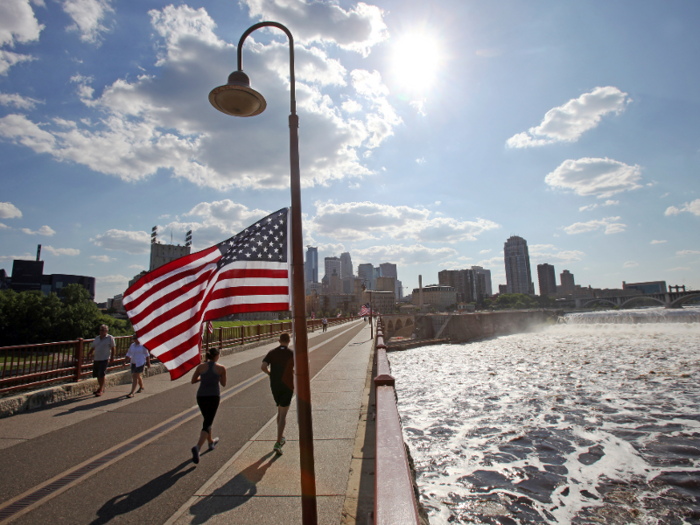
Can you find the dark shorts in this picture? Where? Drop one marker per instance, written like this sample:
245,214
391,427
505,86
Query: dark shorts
282,396
208,405
136,369
99,368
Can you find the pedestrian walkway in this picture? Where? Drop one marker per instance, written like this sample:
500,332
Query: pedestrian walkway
256,486
122,459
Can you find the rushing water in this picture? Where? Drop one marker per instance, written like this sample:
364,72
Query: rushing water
577,423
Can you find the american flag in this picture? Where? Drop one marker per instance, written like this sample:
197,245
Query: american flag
247,273
364,310
210,327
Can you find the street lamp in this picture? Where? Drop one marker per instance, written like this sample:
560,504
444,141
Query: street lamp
371,326
238,99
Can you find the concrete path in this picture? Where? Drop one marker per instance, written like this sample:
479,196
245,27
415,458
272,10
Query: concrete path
112,459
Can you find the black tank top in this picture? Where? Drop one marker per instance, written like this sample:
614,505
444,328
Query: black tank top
209,382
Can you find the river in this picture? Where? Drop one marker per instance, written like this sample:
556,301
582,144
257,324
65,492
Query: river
591,421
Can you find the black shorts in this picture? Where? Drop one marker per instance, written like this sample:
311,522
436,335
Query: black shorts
208,405
136,369
99,368
282,396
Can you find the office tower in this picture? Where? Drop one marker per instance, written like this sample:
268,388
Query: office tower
547,279
567,282
388,270
331,263
488,291
311,264
345,265
517,261
468,284
366,273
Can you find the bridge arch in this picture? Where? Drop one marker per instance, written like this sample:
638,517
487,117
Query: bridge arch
679,302
390,326
592,301
399,326
640,297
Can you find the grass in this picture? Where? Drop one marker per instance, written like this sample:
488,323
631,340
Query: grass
227,324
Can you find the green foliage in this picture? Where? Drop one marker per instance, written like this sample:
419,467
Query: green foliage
31,317
519,301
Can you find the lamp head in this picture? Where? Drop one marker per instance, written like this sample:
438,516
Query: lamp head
237,98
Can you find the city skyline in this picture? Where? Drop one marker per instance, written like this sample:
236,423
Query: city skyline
428,134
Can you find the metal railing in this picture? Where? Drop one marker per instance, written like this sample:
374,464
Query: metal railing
394,499
31,366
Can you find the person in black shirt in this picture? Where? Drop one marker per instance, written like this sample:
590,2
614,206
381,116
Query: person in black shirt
279,365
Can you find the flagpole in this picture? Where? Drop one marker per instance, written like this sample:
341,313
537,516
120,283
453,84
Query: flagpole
238,99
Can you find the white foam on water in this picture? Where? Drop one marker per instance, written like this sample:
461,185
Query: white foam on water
555,425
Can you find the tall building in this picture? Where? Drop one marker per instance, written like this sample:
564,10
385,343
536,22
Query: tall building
517,261
345,265
311,264
567,282
366,273
388,270
547,280
488,290
470,285
330,264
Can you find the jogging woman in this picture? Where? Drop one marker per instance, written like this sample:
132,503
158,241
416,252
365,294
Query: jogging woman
209,375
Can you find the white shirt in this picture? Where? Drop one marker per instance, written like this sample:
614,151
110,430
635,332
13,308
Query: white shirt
138,354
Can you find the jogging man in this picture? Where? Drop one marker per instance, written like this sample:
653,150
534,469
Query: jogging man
279,365
103,346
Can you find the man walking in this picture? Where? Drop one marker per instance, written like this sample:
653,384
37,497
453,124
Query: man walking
279,365
103,346
324,322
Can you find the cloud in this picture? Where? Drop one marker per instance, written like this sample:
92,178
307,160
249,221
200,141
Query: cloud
72,252
568,122
17,24
87,18
496,261
485,251
678,269
354,221
113,279
135,243
630,264
44,230
405,255
102,258
9,211
657,242
351,106
4,226
153,122
688,252
137,267
25,257
548,253
690,207
594,206
18,101
421,160
609,223
591,176
357,29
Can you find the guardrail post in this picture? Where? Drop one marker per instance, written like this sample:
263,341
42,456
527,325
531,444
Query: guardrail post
259,332
221,338
79,361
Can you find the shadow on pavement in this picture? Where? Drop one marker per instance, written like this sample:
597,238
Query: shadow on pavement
125,503
82,408
242,487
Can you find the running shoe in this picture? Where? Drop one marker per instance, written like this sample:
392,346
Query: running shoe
212,445
277,449
195,454
283,441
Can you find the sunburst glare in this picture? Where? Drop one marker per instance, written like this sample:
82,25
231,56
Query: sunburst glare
416,59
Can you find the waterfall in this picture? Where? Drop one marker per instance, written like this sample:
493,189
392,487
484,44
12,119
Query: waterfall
637,316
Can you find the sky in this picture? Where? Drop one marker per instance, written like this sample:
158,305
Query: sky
430,132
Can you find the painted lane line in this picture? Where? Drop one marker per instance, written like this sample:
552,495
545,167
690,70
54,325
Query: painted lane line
40,494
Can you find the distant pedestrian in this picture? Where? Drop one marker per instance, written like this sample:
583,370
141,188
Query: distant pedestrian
209,375
324,322
279,365
139,357
103,346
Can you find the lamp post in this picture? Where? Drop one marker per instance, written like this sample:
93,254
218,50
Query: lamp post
371,326
238,99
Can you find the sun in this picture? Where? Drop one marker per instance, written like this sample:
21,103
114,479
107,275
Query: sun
415,61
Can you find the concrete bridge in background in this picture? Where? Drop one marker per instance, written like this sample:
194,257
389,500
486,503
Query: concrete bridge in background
667,300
